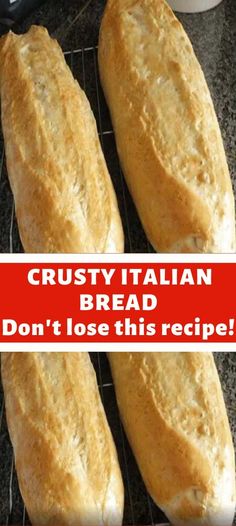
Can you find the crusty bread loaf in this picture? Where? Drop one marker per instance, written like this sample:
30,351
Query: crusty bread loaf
65,457
173,412
63,193
167,133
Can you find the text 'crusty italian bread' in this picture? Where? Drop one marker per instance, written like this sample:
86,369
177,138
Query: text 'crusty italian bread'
167,133
173,412
63,194
65,457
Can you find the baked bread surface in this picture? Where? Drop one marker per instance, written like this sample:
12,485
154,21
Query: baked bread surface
65,458
167,134
174,415
63,194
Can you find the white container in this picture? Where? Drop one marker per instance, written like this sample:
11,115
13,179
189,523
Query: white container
192,6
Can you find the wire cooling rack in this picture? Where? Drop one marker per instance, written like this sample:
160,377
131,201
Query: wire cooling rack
83,63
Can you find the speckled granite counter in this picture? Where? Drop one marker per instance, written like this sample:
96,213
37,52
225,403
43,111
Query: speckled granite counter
213,35
139,509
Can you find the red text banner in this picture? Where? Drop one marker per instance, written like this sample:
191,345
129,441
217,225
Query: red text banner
117,301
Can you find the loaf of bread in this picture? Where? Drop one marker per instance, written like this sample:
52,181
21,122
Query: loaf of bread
63,194
65,457
167,134
174,415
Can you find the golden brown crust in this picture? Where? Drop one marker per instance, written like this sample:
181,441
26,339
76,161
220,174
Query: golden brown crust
65,457
173,411
63,193
167,133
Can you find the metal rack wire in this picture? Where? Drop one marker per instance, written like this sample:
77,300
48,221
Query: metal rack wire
83,63
139,508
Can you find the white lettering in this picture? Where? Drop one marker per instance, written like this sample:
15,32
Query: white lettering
31,276
86,302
